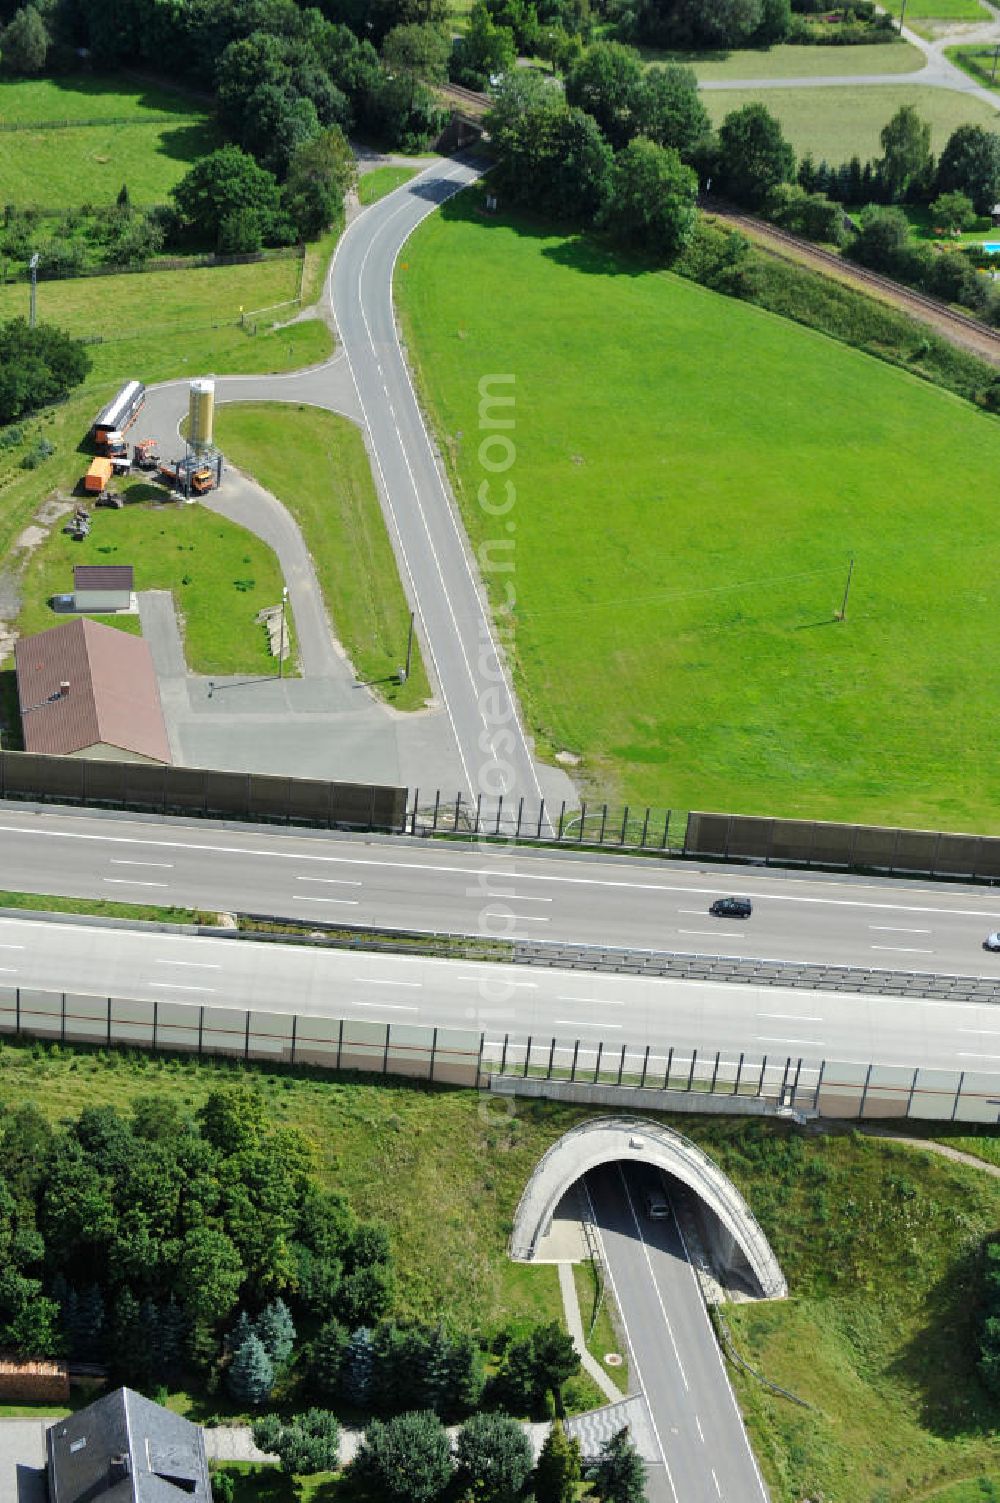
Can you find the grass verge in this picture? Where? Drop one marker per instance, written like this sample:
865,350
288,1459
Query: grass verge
100,908
382,180
220,576
602,1337
939,10
837,123
979,63
316,464
688,500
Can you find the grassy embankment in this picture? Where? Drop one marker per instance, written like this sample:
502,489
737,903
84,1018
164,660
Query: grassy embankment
603,1338
980,63
316,464
837,123
382,180
688,501
879,1244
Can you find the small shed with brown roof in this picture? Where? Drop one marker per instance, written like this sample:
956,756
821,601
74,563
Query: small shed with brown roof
102,587
88,690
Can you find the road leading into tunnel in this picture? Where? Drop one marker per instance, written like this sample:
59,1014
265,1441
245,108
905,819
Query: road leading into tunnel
674,1354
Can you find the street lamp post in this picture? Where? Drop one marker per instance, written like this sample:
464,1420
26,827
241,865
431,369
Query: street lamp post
33,268
281,638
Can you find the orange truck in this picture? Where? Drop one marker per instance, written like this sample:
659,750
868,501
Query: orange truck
97,477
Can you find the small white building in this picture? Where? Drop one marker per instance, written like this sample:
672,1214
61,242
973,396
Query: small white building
102,588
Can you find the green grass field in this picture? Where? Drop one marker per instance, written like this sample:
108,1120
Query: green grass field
837,123
86,97
382,180
220,576
90,162
878,1243
979,1489
317,464
787,61
688,497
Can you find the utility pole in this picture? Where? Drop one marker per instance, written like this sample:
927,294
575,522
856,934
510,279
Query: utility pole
842,613
409,651
281,639
33,268
902,13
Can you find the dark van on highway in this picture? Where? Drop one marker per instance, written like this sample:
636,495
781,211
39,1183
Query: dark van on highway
732,908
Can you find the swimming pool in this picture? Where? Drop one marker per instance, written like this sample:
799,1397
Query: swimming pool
992,247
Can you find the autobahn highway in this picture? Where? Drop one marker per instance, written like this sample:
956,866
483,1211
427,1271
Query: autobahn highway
89,959
673,1354
421,885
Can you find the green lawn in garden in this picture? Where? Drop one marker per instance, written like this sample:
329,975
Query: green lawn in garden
790,61
317,464
692,476
382,180
840,122
220,576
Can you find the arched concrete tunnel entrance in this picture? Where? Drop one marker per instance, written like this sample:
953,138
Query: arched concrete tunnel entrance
738,1245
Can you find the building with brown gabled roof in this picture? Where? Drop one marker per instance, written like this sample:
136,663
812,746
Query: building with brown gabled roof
87,690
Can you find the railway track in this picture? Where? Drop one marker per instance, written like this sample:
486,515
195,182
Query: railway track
962,329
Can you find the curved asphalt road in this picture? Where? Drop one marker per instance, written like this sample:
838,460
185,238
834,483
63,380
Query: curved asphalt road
456,626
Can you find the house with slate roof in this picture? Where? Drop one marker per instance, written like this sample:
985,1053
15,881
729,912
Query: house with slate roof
125,1449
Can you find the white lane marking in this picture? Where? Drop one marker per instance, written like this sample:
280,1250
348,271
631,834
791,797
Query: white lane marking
199,965
385,1006
598,1001
633,1359
714,1343
652,1276
713,933
124,861
307,897
792,1017
333,881
693,912
518,897
175,986
902,949
377,981
467,871
8,970
763,1038
132,882
989,1032
11,947
701,1433
896,929
977,1055
528,985
522,918
578,1023
715,1479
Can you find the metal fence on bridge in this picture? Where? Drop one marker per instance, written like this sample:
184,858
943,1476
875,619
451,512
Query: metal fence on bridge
471,1057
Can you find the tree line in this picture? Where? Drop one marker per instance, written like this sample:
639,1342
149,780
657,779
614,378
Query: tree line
134,1239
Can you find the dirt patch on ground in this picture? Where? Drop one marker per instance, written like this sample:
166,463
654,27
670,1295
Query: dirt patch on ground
51,511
